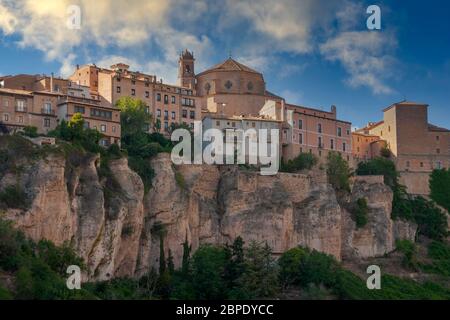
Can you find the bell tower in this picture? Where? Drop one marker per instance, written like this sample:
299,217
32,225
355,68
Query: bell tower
186,75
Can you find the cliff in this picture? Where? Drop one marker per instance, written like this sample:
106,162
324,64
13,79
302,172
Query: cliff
111,222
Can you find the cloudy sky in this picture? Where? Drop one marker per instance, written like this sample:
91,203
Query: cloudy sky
312,52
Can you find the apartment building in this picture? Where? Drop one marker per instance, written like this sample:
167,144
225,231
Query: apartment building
168,104
416,146
97,115
30,100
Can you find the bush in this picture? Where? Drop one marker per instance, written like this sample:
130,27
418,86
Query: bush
179,178
338,172
144,169
361,212
14,197
440,187
30,131
301,162
431,220
289,263
408,249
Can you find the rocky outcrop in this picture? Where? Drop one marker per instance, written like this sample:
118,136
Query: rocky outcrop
117,229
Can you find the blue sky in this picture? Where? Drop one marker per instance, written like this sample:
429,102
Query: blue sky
312,52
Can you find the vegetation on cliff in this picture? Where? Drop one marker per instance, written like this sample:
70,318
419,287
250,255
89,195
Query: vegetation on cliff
236,271
432,221
440,187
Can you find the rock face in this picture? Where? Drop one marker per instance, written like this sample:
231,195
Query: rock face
117,229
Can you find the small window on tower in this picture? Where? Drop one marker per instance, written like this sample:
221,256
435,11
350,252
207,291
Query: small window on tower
188,68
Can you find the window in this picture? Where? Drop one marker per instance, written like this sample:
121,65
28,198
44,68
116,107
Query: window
20,119
300,138
103,128
166,115
319,128
101,114
6,103
188,102
344,146
46,122
133,92
438,151
166,99
173,115
173,99
20,105
147,110
47,108
184,113
113,128
118,90
133,82
348,132
147,94
300,124
437,138
191,125
158,97
158,113
192,114
218,123
421,164
166,126
438,165
320,142
339,132
332,144
6,117
253,124
389,128
78,109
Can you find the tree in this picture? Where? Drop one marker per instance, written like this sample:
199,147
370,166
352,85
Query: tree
134,115
208,264
289,264
235,266
185,264
260,279
432,222
338,172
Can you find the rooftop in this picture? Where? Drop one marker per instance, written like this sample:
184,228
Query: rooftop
230,65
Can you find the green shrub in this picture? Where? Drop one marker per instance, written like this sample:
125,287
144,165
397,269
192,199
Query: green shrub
301,162
179,178
30,131
338,172
409,250
432,222
440,187
361,212
289,263
14,197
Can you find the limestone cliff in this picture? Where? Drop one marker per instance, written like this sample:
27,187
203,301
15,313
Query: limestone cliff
111,223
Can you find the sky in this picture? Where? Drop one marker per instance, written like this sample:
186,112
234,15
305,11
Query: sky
316,53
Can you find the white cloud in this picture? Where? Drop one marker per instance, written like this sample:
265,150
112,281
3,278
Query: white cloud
151,33
365,56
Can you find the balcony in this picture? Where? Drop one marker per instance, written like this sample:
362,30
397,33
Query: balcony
21,108
79,100
49,112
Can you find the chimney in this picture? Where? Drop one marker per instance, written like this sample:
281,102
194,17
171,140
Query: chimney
78,66
51,82
333,109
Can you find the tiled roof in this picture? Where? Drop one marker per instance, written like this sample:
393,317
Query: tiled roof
432,127
230,65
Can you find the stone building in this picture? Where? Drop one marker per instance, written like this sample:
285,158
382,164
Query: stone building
416,146
168,103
